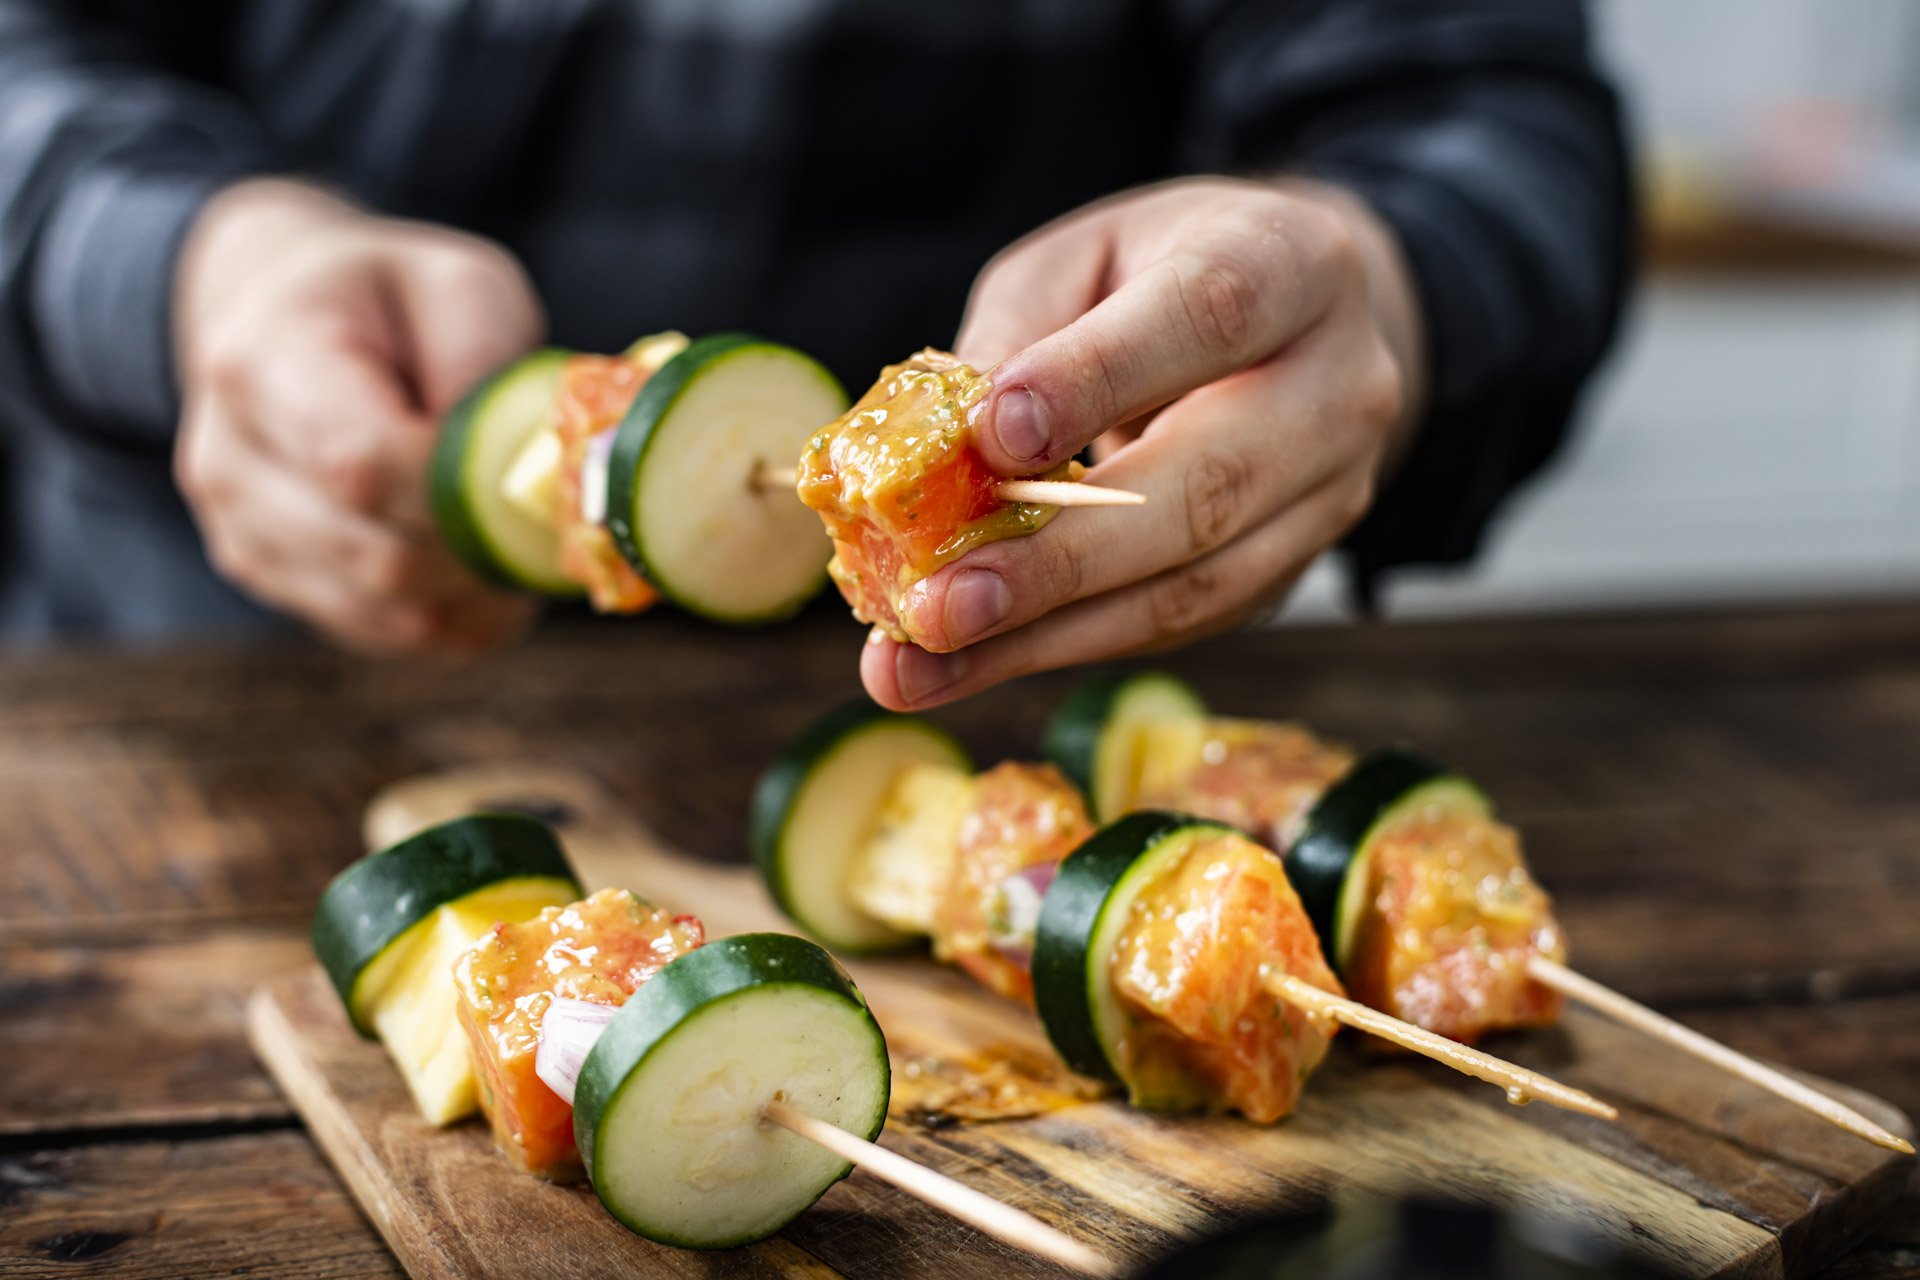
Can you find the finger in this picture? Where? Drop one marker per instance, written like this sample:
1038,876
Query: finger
337,412
247,554
465,308
373,560
1228,296
1214,465
269,531
1227,588
1035,286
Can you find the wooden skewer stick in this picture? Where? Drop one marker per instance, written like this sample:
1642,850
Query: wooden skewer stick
1066,493
1521,1084
768,478
1616,1006
1000,1220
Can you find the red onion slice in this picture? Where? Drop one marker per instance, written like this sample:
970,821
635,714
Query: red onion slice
567,1034
1016,910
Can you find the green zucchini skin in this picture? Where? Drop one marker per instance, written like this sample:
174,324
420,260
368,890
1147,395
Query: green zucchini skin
1077,737
1073,735
779,790
449,483
1326,852
378,898
779,787
1064,968
637,434
692,982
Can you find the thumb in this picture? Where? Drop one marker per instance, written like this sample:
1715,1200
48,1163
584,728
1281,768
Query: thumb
466,308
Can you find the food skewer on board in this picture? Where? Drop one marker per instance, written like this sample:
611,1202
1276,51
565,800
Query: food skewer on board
1422,897
605,1035
1163,953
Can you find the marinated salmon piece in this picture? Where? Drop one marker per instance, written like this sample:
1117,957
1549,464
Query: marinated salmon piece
1189,967
1257,775
595,393
1024,818
902,490
599,950
1455,916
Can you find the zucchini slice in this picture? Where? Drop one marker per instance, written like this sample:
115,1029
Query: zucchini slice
1080,923
390,926
1099,737
1330,863
682,504
480,440
817,803
667,1109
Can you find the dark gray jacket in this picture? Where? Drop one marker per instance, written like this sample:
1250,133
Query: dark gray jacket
706,164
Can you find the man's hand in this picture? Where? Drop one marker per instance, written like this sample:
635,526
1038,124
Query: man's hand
318,347
1245,354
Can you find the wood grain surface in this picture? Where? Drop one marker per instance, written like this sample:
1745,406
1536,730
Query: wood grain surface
1725,807
263,1204
1702,1175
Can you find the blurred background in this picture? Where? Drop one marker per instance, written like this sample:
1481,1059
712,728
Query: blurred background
1755,436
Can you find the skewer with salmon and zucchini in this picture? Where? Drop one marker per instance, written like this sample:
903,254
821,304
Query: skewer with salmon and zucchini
630,477
1163,953
1421,896
669,470
709,1090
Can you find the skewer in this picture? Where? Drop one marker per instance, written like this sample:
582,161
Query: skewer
1522,1085
1616,1006
768,478
1066,493
1001,1221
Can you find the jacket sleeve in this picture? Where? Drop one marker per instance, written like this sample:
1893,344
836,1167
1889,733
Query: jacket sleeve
105,158
1481,132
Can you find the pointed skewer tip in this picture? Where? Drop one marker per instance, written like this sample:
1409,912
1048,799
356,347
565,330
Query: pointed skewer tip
1631,1013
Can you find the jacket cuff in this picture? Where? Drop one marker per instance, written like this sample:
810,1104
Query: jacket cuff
103,293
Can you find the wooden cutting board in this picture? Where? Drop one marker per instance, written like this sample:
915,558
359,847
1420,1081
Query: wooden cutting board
1703,1175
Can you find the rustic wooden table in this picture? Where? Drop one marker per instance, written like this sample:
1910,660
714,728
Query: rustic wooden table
1727,808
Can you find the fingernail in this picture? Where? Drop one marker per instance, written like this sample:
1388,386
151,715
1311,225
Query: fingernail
978,600
1021,422
921,675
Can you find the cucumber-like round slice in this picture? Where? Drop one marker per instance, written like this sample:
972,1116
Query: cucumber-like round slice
815,805
371,906
1330,862
682,502
479,440
1095,735
1081,919
667,1110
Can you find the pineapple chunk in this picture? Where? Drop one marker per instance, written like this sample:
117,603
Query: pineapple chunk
902,868
1166,753
408,993
531,484
656,349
